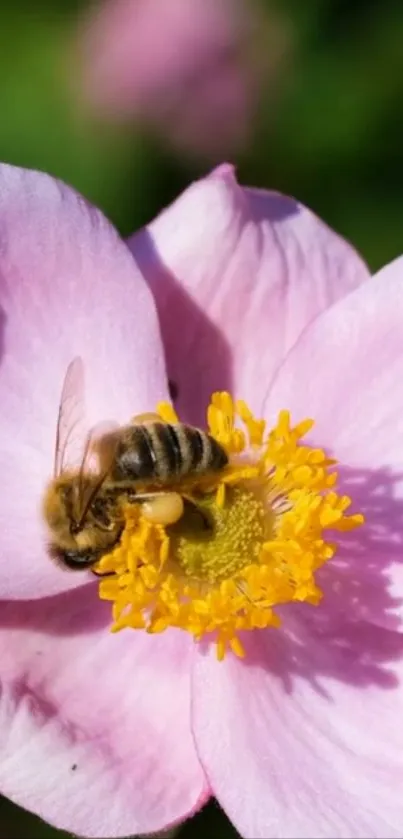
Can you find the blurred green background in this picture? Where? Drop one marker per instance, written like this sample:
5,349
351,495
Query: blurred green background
329,131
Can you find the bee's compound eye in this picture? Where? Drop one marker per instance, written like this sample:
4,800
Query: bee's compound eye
97,507
100,512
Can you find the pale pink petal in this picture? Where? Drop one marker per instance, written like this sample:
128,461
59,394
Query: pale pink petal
345,373
68,286
237,274
180,66
303,738
94,727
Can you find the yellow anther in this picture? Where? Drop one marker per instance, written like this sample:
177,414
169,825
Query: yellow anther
269,511
167,413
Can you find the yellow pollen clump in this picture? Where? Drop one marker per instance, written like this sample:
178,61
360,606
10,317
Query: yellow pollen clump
268,514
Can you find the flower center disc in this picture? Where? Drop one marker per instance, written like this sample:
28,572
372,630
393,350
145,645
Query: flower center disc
267,513
234,538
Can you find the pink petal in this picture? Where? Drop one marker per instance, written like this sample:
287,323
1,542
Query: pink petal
345,372
237,274
94,727
303,738
181,66
68,286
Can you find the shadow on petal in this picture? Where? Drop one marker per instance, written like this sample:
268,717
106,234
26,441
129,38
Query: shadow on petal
362,581
32,697
198,357
355,635
282,207
77,612
35,701
357,654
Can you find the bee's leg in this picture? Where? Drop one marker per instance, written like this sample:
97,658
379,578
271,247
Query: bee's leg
102,574
190,502
115,491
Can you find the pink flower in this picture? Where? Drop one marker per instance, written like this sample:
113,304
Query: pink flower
183,67
110,735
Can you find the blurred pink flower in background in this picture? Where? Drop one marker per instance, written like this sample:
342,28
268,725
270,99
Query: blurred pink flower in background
111,735
191,69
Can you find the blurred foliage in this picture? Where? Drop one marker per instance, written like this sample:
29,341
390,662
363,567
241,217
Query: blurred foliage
330,136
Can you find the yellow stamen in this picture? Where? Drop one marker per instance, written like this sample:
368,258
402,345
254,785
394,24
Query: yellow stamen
269,511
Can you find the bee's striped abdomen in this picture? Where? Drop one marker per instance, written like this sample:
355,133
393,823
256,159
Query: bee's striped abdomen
166,450
162,452
204,454
135,456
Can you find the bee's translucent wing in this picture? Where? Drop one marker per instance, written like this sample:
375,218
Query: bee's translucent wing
104,440
71,431
97,459
98,452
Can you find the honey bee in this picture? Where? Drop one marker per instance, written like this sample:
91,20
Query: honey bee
84,504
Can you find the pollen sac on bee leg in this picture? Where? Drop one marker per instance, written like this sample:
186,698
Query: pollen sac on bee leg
166,508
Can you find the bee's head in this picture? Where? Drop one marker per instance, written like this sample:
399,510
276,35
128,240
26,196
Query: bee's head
76,543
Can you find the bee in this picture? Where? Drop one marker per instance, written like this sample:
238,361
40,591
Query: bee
84,504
